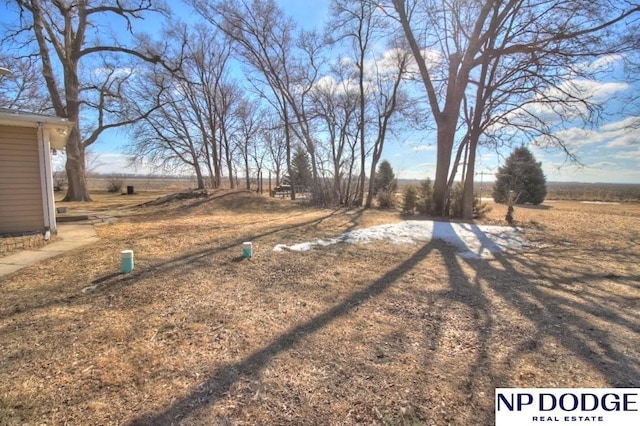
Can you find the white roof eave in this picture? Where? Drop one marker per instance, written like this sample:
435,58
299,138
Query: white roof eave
59,128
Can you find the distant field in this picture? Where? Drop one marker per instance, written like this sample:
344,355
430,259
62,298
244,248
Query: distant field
144,183
577,191
162,183
593,191
611,192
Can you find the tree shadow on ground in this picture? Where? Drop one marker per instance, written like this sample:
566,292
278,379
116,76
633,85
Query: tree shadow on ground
562,317
115,280
111,280
221,379
577,320
511,281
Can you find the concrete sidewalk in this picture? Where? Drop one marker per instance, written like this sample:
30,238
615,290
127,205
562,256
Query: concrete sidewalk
70,236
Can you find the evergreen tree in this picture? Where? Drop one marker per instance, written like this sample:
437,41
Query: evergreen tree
522,175
385,179
301,168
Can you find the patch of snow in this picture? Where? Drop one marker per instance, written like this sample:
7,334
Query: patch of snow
599,202
472,241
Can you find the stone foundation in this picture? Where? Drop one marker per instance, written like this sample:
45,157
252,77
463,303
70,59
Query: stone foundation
10,244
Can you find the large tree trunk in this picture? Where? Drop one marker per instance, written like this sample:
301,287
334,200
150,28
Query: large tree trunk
231,174
377,153
212,164
369,200
446,133
76,169
198,170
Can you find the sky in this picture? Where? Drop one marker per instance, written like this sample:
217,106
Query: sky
608,152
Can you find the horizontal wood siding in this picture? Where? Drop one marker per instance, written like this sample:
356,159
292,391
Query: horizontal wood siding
20,190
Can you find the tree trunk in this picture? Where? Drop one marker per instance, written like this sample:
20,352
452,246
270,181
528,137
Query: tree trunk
363,155
361,128
440,184
198,170
377,153
76,169
230,168
287,138
247,174
468,195
212,163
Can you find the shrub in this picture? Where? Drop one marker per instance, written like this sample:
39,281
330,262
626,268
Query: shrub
456,197
386,199
410,199
301,169
384,179
522,175
425,197
115,184
480,209
323,195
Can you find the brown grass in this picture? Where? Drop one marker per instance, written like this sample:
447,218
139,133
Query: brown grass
374,334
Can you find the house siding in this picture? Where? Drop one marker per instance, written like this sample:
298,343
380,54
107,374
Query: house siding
21,207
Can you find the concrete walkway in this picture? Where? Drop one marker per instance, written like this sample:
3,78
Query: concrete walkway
70,236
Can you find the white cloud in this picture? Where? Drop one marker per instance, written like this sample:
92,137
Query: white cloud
575,137
329,85
602,171
599,91
625,124
622,133
565,101
419,171
114,72
628,155
605,165
423,148
604,63
386,64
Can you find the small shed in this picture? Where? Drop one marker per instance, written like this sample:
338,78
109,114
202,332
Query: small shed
27,205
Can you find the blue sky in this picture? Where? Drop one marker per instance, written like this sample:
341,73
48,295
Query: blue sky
609,151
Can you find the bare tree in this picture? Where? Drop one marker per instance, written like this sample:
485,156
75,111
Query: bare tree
66,35
193,124
207,71
167,137
389,99
360,23
459,46
250,127
22,86
335,101
284,61
273,139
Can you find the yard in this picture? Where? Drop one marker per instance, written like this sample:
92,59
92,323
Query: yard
376,333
